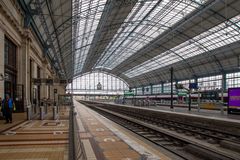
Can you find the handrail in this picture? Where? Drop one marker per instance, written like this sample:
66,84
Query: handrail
76,149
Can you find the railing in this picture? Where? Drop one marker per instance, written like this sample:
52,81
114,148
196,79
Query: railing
76,149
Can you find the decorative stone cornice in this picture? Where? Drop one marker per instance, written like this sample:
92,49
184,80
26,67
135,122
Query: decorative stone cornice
11,19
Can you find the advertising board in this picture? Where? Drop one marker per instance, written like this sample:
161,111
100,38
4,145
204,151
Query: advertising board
234,100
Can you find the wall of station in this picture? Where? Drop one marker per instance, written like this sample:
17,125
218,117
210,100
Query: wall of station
29,59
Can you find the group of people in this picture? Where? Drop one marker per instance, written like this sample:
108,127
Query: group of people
6,107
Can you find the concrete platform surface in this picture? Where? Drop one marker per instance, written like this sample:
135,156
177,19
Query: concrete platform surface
103,140
203,113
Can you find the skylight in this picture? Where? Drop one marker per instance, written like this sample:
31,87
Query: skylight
147,20
218,36
89,14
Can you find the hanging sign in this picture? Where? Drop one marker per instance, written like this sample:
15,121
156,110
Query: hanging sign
99,86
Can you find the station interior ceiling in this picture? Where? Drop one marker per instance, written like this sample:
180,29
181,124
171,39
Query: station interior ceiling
138,40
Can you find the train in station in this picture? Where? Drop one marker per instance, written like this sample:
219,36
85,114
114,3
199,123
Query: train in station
211,99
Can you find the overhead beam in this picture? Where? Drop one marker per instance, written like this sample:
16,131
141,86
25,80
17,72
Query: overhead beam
115,12
182,27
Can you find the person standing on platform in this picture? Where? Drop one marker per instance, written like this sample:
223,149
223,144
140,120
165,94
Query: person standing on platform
7,105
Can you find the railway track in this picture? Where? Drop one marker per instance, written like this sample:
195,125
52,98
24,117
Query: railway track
186,141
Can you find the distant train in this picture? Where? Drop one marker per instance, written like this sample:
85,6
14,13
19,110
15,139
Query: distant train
207,99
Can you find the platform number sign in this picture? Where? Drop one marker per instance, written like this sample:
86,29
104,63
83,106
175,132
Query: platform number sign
234,100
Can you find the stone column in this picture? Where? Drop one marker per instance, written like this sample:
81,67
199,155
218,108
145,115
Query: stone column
44,88
25,55
1,62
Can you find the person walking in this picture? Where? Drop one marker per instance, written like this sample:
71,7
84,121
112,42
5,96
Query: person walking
7,105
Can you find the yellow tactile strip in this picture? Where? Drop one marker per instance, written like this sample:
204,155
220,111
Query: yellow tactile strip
105,143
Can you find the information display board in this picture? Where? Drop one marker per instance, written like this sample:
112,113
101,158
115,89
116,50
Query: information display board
234,100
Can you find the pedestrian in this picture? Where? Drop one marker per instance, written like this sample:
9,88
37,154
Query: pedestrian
7,106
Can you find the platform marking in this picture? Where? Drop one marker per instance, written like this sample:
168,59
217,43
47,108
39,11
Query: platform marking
140,149
100,129
109,139
9,133
57,132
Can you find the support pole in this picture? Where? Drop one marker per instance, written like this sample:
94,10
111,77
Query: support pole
54,112
171,87
41,113
222,102
29,113
199,101
189,100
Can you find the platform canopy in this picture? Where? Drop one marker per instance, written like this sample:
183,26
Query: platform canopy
138,40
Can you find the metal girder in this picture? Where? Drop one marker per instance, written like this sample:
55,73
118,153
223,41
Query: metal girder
197,59
45,26
56,34
59,29
122,67
202,46
105,21
152,9
33,25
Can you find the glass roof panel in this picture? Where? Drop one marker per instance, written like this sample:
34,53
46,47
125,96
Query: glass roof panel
218,36
146,21
89,14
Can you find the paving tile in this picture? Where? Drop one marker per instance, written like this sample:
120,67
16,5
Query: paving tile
34,141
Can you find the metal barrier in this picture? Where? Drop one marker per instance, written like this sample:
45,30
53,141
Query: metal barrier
41,113
76,149
29,114
54,109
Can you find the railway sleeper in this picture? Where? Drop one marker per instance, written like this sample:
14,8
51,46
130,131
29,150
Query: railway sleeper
202,149
230,145
203,153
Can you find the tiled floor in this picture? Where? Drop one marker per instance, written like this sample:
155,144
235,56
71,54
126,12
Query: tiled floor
17,119
36,139
104,143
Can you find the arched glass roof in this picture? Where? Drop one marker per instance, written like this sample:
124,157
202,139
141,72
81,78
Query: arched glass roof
146,21
98,83
137,40
89,13
223,34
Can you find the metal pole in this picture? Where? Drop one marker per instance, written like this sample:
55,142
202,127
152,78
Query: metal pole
222,103
199,101
171,87
72,155
189,101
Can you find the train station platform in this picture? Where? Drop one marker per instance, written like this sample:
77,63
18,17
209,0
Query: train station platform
206,113
208,118
100,138
105,140
48,139
202,112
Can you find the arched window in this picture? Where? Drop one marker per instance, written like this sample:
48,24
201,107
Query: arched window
98,83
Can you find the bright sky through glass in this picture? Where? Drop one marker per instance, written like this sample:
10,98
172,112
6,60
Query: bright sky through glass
218,36
146,21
